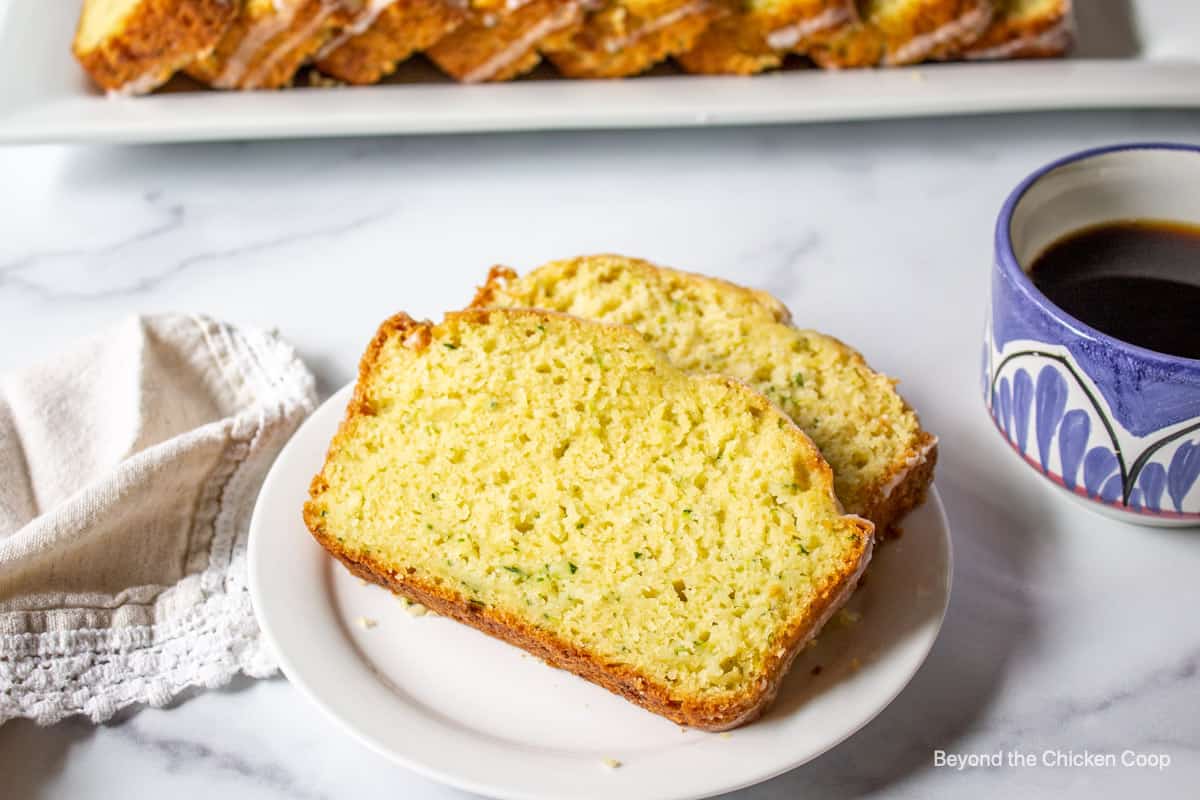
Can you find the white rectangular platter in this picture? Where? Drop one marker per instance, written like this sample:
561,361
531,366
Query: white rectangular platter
1131,54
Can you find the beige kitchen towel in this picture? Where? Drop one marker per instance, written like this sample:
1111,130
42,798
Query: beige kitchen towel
129,466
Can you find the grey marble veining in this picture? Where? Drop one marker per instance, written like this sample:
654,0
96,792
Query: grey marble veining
1065,631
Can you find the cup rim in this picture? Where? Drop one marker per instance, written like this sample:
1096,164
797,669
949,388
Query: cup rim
1009,264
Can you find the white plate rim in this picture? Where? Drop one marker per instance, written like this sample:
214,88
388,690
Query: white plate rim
45,97
648,102
298,671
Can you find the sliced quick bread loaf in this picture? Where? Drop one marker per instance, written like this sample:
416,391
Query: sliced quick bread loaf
759,33
892,32
500,40
620,38
881,457
385,33
135,46
1026,29
559,484
269,40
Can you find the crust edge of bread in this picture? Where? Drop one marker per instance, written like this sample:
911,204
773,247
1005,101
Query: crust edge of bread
590,52
718,713
1044,36
116,63
499,275
887,511
370,56
957,24
275,60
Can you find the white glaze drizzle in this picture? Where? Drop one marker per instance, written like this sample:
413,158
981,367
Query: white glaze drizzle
253,41
149,81
789,36
361,24
254,79
142,84
488,69
1056,37
914,461
657,24
916,48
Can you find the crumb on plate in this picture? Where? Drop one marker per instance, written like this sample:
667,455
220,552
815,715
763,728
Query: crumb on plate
846,617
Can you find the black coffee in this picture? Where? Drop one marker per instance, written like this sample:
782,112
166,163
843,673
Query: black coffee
1138,281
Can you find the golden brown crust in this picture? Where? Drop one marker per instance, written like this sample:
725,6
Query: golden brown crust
938,29
157,39
612,43
264,52
748,42
715,713
401,29
705,714
887,511
500,45
1043,36
499,277
730,46
856,47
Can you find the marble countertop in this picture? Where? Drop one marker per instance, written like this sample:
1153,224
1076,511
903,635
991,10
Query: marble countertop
1066,631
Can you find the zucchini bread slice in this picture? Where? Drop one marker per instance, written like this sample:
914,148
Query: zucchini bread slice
893,32
135,46
499,41
559,484
1026,29
620,38
882,459
385,33
269,41
759,33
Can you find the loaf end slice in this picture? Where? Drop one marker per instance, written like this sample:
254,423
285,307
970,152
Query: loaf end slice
882,459
558,484
134,46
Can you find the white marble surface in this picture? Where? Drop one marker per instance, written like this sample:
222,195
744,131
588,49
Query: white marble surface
1066,631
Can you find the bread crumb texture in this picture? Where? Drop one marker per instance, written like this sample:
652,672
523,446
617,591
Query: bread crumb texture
565,479
864,429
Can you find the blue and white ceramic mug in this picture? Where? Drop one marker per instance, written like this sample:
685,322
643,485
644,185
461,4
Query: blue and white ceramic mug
1114,425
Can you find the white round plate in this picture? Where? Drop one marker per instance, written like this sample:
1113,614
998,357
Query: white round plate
462,708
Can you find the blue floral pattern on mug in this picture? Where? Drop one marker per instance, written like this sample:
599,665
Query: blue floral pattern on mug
1183,472
1053,416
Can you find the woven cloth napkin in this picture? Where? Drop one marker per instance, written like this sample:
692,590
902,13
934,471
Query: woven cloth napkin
128,472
